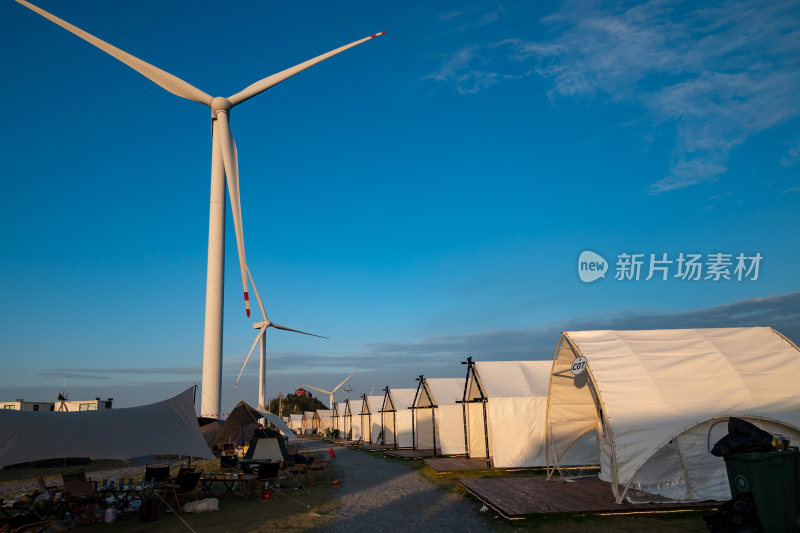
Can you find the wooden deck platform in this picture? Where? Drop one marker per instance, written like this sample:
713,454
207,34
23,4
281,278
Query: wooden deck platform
443,465
410,454
515,497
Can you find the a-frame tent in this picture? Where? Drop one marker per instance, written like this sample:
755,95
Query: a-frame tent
310,422
353,414
661,399
397,418
296,423
439,416
325,419
506,410
339,420
371,418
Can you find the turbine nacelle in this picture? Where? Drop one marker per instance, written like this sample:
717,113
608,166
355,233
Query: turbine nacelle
220,103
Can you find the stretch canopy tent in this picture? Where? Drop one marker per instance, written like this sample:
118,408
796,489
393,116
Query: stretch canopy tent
397,418
325,419
371,418
439,416
506,410
168,427
660,400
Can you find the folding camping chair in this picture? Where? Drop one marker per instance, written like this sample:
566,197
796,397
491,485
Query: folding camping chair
157,475
228,462
75,475
78,493
182,471
186,487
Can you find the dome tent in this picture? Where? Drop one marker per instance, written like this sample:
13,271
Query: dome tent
660,399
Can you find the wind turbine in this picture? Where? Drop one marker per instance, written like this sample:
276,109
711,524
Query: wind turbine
262,327
224,168
330,393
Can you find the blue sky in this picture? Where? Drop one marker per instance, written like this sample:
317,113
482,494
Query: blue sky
419,198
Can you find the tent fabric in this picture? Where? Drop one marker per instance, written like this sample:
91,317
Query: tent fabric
658,397
279,423
439,418
167,427
243,421
398,428
325,419
509,399
310,422
296,423
371,418
353,410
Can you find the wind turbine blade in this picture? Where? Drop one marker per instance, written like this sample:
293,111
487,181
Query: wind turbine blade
166,80
276,326
316,388
253,347
343,382
230,159
271,81
258,298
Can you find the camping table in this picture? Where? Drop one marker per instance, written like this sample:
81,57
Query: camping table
248,482
122,496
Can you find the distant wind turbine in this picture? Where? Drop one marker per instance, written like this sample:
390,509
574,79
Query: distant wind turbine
330,393
262,329
224,167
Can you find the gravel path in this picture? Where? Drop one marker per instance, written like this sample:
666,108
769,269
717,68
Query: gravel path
382,495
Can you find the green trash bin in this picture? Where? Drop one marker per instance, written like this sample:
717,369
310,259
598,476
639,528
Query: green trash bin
771,478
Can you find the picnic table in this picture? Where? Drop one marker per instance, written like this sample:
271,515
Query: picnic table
245,483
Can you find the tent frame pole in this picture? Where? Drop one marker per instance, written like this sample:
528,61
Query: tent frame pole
468,362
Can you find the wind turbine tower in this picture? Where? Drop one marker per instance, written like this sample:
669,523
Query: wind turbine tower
224,168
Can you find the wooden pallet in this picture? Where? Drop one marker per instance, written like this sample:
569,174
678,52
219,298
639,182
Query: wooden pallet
443,465
515,497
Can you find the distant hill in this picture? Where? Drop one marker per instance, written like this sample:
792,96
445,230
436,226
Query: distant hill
293,403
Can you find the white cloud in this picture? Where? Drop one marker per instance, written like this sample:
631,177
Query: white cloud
719,74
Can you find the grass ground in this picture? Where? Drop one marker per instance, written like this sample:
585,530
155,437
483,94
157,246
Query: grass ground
305,509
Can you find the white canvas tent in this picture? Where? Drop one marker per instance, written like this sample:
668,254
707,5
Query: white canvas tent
338,419
506,408
354,419
310,422
296,423
660,400
397,419
371,418
167,427
439,416
325,419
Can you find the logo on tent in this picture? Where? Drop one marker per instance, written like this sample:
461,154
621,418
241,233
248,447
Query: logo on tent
578,365
591,266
